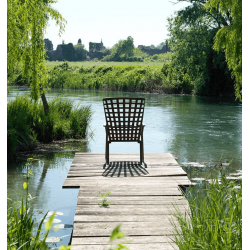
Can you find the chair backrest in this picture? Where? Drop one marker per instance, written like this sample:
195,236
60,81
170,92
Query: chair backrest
124,116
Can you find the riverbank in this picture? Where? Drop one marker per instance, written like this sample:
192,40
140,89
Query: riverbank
150,77
127,77
28,125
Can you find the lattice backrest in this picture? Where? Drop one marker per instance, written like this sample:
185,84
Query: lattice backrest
124,117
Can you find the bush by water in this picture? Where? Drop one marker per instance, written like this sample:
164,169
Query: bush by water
27,123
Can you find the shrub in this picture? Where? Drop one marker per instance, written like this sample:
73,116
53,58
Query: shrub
27,122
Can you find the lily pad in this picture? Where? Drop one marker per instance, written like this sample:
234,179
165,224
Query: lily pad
213,181
197,179
54,220
59,226
193,164
52,239
51,212
233,178
236,174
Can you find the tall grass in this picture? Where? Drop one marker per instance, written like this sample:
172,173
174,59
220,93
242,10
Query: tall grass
27,123
117,78
214,220
23,232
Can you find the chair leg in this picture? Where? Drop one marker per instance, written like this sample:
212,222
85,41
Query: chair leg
141,152
107,153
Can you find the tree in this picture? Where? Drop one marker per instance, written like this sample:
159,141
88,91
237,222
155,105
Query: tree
80,51
194,62
48,44
229,37
26,23
122,49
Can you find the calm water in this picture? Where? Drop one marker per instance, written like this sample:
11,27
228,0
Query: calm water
194,129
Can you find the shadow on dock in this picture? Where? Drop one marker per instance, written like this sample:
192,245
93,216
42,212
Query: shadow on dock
125,169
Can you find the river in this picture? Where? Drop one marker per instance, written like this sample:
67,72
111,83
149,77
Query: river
197,130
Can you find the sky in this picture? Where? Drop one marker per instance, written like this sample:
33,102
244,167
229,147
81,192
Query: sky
112,20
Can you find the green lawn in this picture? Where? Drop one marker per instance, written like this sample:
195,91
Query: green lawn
99,63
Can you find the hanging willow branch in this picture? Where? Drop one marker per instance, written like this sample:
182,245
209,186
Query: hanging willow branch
26,24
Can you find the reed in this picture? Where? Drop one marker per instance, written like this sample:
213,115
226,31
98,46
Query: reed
23,232
28,124
214,220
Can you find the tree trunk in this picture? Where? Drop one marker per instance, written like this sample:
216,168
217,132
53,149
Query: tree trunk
45,103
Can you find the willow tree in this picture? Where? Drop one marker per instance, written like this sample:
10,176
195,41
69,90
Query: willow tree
26,24
229,37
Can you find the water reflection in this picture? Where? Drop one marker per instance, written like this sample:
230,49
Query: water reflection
46,183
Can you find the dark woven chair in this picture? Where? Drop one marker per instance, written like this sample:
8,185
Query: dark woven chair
124,116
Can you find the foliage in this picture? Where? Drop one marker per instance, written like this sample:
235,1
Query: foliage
48,44
139,53
21,227
214,220
23,232
159,57
26,23
104,202
123,49
84,64
195,65
119,78
229,37
118,234
80,52
27,123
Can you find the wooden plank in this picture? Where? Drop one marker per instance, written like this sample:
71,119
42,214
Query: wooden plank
122,172
76,183
131,200
80,210
133,239
125,225
152,246
122,218
131,232
114,207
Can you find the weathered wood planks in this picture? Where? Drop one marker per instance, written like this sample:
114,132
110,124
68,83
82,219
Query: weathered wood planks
143,200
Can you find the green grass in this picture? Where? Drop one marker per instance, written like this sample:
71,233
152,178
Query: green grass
115,78
100,63
27,123
22,230
215,218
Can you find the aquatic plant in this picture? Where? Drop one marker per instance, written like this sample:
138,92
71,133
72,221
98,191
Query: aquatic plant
215,217
21,227
27,122
23,232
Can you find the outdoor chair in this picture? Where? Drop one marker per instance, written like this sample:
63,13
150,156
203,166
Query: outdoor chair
124,116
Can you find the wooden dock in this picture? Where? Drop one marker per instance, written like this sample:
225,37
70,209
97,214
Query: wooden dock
141,199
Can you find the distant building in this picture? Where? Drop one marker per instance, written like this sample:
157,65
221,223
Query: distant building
153,51
96,50
93,47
